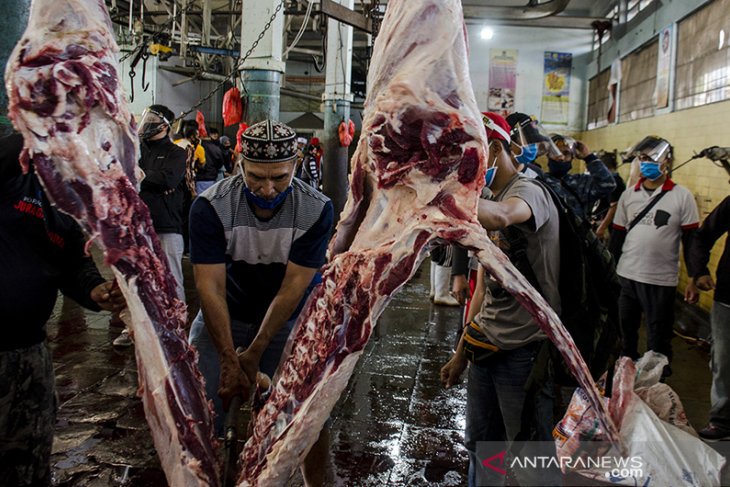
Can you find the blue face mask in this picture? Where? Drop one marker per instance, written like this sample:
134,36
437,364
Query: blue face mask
489,176
651,170
263,203
529,154
559,168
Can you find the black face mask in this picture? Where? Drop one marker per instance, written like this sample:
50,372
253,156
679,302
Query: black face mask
149,130
559,168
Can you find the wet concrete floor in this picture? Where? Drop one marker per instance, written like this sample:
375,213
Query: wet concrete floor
394,425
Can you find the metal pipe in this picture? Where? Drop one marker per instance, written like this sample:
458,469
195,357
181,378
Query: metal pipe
174,21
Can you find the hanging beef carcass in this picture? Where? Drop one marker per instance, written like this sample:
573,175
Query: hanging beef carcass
66,100
418,170
416,177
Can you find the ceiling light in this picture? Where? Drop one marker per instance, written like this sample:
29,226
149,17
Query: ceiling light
487,33
722,38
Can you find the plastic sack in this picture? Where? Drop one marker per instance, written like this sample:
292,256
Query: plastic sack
655,433
232,107
661,398
202,132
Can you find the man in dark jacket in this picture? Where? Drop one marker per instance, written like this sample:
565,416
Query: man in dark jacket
162,189
41,251
715,225
579,191
207,175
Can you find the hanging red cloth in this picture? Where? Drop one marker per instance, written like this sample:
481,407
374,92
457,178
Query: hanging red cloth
232,107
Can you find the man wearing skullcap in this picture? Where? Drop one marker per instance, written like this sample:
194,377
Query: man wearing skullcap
257,240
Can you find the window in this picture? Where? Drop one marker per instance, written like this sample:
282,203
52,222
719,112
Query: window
703,57
612,15
598,100
633,7
638,80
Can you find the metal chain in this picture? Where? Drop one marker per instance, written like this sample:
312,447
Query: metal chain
375,18
239,63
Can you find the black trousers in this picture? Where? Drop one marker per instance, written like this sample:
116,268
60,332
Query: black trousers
657,305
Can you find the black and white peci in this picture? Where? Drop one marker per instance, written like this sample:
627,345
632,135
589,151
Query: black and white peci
269,141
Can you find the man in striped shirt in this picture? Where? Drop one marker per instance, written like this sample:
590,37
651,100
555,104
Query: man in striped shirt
256,241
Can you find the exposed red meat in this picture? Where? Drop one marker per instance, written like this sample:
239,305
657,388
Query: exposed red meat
416,177
66,100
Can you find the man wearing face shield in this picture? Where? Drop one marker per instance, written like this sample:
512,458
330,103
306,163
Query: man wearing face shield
523,222
162,188
529,141
257,240
579,191
651,218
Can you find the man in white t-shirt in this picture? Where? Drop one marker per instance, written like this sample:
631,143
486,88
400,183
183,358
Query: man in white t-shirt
647,248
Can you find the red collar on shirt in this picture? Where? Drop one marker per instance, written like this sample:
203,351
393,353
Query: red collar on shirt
667,186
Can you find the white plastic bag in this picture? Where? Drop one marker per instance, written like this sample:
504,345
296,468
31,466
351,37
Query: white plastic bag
660,446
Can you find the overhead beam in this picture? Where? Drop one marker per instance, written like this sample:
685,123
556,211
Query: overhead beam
529,11
343,14
555,22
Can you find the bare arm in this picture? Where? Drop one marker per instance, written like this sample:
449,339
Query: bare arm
293,287
607,220
496,215
210,282
478,298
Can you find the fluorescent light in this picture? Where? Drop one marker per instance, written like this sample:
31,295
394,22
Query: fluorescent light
487,33
722,38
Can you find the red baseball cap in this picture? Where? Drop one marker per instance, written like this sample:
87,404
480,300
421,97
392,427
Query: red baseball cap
497,127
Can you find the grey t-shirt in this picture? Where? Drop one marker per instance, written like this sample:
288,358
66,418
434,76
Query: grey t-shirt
502,318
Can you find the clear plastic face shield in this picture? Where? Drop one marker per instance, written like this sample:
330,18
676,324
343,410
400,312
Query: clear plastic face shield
650,149
529,132
566,147
151,124
653,149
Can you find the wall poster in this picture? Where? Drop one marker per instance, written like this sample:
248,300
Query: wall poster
502,81
556,88
664,59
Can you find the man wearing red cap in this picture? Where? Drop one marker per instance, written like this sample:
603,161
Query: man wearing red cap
523,221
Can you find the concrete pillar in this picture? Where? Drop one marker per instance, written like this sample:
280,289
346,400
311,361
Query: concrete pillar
263,94
337,98
262,70
12,25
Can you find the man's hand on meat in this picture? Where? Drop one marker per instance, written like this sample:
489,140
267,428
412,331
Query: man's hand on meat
234,381
108,296
293,287
248,361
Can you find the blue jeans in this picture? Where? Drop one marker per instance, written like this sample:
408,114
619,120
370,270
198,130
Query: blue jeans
243,335
495,396
720,363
